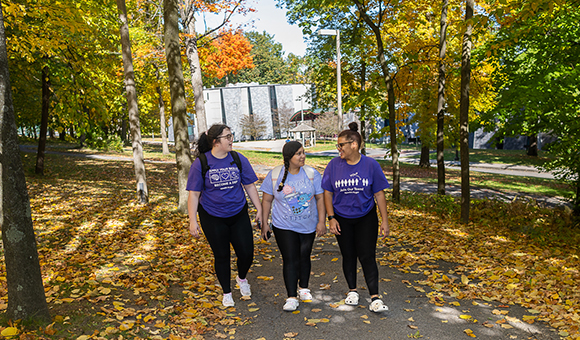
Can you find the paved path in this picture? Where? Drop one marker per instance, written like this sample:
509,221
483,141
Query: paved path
410,315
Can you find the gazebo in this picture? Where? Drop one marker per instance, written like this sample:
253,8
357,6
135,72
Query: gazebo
304,133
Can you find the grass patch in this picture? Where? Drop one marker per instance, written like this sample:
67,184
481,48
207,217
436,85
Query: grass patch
516,157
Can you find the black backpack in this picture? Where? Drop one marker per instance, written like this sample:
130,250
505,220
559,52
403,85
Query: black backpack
205,167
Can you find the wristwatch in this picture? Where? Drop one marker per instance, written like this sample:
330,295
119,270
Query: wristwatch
330,217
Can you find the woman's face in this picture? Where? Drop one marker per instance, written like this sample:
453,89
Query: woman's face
298,159
346,148
224,141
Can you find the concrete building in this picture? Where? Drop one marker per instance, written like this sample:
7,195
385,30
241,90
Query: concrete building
229,104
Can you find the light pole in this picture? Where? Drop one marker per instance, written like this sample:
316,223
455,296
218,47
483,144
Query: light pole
338,86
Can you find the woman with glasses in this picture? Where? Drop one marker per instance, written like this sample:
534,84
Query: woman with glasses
294,194
352,183
216,183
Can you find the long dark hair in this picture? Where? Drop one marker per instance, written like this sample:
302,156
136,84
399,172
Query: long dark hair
352,134
288,151
208,138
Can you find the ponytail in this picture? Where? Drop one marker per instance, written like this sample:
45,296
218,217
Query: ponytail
207,139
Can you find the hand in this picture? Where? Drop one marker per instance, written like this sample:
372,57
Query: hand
194,229
385,230
265,230
259,218
334,226
320,229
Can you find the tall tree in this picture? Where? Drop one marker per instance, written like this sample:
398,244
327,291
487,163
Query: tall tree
441,101
388,78
538,45
464,111
230,53
189,8
26,297
268,59
132,107
43,121
178,105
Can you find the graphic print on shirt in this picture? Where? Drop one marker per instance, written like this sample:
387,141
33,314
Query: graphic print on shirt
298,202
351,185
224,178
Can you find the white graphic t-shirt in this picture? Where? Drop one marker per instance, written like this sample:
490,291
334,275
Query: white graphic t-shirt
294,208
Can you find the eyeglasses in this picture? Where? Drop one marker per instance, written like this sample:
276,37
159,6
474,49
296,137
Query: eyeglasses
229,136
341,145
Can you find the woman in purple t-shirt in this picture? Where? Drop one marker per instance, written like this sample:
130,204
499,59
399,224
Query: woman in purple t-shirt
352,183
219,199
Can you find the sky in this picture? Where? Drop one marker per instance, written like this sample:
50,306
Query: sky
270,19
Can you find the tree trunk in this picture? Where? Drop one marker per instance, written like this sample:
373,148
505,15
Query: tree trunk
134,124
393,131
178,105
162,122
424,160
391,98
187,17
26,299
441,102
533,145
62,134
464,112
577,198
43,122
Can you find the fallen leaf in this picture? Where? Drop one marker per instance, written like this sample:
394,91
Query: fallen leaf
9,331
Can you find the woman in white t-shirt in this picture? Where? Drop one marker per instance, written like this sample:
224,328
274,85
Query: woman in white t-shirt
295,196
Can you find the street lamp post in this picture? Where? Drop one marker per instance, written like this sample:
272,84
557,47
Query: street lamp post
338,85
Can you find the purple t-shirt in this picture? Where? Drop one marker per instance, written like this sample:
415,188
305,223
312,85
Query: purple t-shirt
353,186
222,195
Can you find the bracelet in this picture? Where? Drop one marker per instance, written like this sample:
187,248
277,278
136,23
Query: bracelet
330,217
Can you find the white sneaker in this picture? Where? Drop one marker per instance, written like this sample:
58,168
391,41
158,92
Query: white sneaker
304,294
291,304
351,298
244,286
228,300
378,306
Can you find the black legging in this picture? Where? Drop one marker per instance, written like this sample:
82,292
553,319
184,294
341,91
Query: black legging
220,232
295,249
358,239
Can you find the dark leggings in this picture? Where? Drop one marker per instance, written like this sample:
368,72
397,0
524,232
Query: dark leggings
220,232
358,239
295,249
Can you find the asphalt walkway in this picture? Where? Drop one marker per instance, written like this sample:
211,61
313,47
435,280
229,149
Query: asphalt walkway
413,311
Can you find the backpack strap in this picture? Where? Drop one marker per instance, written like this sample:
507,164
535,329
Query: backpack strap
237,160
204,165
277,172
309,172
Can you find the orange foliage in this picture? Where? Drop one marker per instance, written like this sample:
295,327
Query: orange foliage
229,53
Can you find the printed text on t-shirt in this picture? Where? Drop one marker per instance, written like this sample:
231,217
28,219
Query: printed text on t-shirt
352,185
224,178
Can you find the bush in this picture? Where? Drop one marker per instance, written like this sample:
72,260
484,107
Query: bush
110,143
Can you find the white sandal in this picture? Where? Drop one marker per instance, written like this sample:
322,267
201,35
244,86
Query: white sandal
378,306
351,298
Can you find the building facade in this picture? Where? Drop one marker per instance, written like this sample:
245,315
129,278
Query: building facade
227,105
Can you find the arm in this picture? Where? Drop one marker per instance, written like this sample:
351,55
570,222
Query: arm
332,224
266,207
382,204
255,198
192,203
321,225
